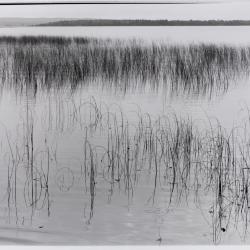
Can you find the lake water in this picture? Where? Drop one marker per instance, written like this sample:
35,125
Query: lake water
75,194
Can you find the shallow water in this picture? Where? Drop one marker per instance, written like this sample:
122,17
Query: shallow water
70,213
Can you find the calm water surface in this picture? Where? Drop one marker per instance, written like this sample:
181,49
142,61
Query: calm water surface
113,215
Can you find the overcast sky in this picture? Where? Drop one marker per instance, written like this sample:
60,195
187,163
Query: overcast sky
216,9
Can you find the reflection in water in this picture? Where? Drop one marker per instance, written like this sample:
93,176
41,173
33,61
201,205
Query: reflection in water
178,157
88,151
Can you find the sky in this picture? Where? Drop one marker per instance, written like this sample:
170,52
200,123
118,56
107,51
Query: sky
214,9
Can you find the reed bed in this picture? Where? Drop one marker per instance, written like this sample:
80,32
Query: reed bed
180,157
55,62
186,161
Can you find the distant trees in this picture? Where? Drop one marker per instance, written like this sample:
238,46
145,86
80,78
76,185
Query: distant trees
143,22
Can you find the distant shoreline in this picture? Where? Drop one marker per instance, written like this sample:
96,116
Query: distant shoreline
113,22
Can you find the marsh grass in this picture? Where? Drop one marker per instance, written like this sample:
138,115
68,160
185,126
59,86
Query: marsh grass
180,158
56,62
